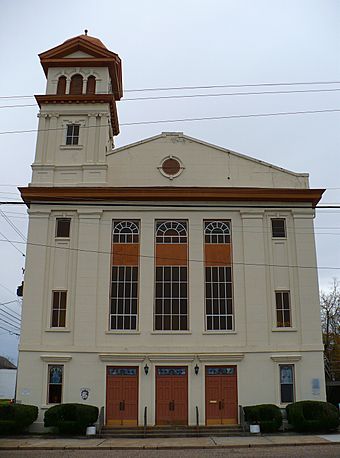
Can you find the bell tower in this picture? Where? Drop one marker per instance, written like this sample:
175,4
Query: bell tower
78,117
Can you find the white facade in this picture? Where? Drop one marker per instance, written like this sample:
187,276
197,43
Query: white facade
7,383
255,348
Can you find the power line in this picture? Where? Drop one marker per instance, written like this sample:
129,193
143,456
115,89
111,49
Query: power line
186,96
211,86
12,244
11,316
17,328
11,332
18,317
13,226
165,121
82,250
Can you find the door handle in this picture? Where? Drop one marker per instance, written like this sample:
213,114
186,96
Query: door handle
170,406
173,405
220,405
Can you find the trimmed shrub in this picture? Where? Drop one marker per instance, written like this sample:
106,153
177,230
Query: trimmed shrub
313,416
268,416
71,418
15,418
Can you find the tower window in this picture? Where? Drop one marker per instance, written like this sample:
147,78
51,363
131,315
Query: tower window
76,86
91,85
63,227
72,134
278,227
61,87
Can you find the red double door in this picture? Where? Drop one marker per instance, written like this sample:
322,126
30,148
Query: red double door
221,395
171,395
122,396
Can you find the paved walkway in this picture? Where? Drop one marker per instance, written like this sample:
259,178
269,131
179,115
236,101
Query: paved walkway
47,443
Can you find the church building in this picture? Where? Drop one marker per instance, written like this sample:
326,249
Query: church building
168,277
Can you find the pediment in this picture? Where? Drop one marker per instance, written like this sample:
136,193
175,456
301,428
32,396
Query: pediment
200,164
90,46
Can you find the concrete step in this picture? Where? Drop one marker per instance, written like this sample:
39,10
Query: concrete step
171,431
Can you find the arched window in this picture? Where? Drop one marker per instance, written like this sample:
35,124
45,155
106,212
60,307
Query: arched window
217,232
76,86
61,87
91,85
125,232
171,232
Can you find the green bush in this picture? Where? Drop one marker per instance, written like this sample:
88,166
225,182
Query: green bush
15,418
71,418
312,416
268,416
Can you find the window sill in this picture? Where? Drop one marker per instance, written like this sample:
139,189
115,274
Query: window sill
171,332
57,330
284,329
218,332
71,147
122,332
62,239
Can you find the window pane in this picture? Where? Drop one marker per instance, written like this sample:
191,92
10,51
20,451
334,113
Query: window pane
63,227
278,227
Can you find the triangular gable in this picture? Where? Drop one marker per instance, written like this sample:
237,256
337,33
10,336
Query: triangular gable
209,145
78,44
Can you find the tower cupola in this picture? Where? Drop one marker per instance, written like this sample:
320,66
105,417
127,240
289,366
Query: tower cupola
78,113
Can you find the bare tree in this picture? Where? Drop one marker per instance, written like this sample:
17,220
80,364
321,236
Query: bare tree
330,316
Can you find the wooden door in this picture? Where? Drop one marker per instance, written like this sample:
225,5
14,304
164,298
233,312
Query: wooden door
221,395
122,396
171,395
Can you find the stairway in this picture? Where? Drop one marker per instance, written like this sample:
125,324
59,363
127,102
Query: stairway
170,431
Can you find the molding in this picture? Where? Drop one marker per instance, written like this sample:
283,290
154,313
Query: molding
171,357
285,358
114,357
220,357
187,194
54,99
56,358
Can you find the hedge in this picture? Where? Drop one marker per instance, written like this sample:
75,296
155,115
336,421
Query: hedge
15,418
268,416
71,418
313,416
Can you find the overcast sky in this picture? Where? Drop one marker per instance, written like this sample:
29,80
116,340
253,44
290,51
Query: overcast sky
184,43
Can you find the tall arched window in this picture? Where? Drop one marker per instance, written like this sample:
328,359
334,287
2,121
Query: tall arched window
76,86
61,87
124,276
91,85
171,289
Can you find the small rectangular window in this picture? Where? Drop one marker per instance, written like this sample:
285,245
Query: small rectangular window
283,313
55,384
63,227
287,383
58,319
72,134
278,227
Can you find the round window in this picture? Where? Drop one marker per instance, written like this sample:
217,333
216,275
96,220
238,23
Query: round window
171,167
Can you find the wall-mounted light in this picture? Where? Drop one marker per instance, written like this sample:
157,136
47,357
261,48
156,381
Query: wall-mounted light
146,369
196,369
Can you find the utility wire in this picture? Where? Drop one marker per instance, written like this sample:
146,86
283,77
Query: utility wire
82,250
11,332
13,226
11,316
23,254
211,86
16,327
206,118
15,314
186,96
14,324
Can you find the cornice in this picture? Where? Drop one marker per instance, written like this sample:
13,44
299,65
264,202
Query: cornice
183,194
82,98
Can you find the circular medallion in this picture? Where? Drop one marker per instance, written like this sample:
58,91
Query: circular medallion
171,167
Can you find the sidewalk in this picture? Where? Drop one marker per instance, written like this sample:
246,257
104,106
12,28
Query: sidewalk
48,443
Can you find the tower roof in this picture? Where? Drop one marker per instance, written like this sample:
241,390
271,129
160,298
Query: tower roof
88,38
